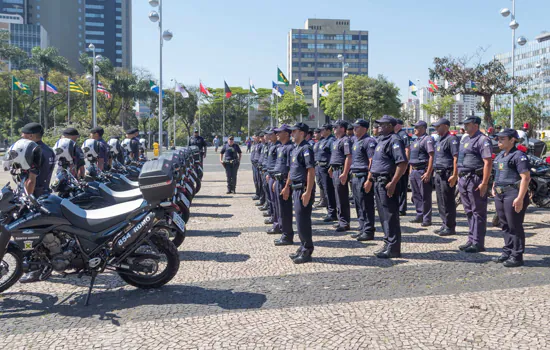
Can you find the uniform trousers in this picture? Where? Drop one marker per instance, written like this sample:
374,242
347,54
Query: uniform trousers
511,223
318,175
475,207
255,178
421,195
330,195
284,210
388,210
342,198
267,193
364,205
446,199
303,219
231,170
402,194
273,199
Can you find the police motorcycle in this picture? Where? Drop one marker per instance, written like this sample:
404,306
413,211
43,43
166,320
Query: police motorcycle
96,195
198,160
181,198
53,234
193,167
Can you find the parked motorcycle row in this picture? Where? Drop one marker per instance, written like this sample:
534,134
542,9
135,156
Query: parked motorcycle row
129,220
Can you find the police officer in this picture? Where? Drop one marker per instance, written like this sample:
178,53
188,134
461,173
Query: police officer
103,157
512,177
322,163
270,180
474,171
39,179
230,157
389,163
446,176
340,164
362,152
309,138
259,160
350,133
317,150
267,205
421,162
280,176
132,135
404,182
301,181
253,159
79,162
198,141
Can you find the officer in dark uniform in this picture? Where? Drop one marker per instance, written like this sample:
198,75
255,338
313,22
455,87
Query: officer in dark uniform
270,180
230,157
317,154
301,181
362,152
474,170
253,160
267,193
198,141
103,157
446,176
39,179
404,182
349,132
351,135
309,138
259,160
340,164
79,161
280,176
512,177
322,162
132,134
389,163
421,162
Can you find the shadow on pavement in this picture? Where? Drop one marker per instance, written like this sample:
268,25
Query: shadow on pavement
221,257
214,205
344,243
217,234
359,261
211,215
210,196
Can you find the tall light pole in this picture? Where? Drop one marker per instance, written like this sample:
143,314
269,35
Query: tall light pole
505,12
344,66
95,70
166,35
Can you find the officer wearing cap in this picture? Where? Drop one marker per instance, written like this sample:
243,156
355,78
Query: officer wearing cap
39,179
301,181
340,164
103,157
512,177
389,163
446,176
362,152
253,159
322,163
132,134
317,155
78,161
259,164
282,204
270,165
350,134
309,138
197,140
267,205
421,167
404,182
474,170
230,157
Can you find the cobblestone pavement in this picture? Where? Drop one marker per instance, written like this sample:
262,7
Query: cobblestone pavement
235,289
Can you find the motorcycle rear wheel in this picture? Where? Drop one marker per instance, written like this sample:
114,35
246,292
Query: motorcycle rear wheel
13,261
164,246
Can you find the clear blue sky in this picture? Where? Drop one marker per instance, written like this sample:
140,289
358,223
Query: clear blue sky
234,40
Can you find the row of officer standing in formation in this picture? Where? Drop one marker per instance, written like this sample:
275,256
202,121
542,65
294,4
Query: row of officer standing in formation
379,169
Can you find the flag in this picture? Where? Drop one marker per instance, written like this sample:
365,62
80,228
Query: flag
181,89
74,87
227,90
17,85
102,90
298,88
281,77
473,85
433,86
323,89
155,88
413,88
49,86
277,90
205,90
253,89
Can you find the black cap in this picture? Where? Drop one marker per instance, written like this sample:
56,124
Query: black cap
131,131
196,130
32,128
283,127
442,121
261,134
269,131
300,126
509,132
97,129
361,122
341,124
231,137
317,130
387,119
350,126
70,132
472,119
421,123
399,121
327,126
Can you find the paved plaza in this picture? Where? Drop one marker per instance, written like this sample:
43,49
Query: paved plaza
236,290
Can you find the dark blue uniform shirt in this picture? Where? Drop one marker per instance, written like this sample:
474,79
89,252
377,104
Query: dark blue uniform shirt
317,149
302,159
272,156
103,150
265,153
134,147
404,137
231,152
362,151
325,146
473,150
421,149
445,150
197,141
254,153
389,152
340,149
45,171
508,167
282,163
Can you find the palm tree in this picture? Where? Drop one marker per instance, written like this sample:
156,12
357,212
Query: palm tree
46,60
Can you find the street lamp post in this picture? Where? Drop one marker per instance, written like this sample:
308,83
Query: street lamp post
344,66
505,12
95,69
166,35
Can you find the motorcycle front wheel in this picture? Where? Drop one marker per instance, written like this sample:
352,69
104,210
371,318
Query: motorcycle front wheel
11,268
162,269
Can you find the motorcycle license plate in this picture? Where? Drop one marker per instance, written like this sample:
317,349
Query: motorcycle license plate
178,221
185,200
188,188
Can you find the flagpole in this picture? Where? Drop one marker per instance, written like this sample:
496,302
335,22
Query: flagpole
223,127
249,106
276,109
318,105
175,100
68,100
39,105
11,120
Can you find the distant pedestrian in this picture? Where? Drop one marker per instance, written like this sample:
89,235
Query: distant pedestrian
248,145
216,143
231,161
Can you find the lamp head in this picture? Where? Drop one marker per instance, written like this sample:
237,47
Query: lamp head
505,12
513,25
91,47
167,35
522,41
154,16
154,3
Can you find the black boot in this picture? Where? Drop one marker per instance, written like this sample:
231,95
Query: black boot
304,257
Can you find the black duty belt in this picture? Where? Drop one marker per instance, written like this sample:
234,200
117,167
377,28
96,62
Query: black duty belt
280,177
467,173
418,166
503,189
337,167
443,171
363,174
381,178
297,186
321,163
229,161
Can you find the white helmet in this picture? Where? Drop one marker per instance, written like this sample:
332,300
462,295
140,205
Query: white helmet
114,144
126,145
24,154
64,150
90,147
142,143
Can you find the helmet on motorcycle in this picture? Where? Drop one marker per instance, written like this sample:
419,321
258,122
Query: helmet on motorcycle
24,154
142,143
114,144
65,150
126,145
90,147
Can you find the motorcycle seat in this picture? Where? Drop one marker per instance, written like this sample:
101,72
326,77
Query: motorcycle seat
119,196
129,182
97,220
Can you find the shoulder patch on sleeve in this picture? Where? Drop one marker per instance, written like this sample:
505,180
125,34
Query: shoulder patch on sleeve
396,145
487,143
523,158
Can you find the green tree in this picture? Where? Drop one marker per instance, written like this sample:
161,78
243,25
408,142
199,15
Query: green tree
9,52
46,60
289,108
364,97
439,106
186,112
529,109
